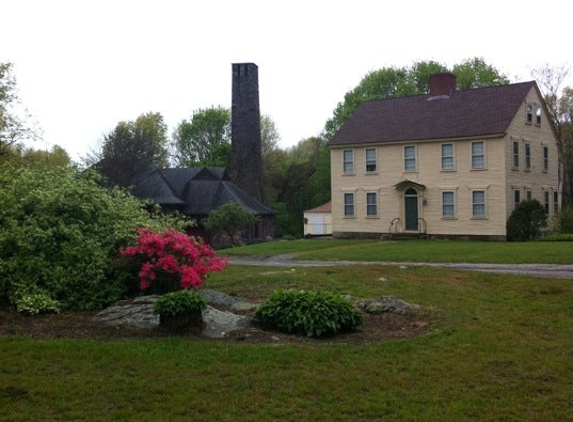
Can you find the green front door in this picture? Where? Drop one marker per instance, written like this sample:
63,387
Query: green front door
411,207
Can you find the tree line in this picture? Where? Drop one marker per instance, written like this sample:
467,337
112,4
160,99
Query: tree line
295,178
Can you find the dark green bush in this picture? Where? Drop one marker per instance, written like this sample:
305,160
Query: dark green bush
310,313
564,220
526,221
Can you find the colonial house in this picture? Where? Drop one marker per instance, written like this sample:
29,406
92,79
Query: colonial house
452,163
195,192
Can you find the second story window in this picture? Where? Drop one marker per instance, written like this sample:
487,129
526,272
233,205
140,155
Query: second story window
478,155
545,158
527,157
410,158
538,116
515,162
348,158
371,160
447,156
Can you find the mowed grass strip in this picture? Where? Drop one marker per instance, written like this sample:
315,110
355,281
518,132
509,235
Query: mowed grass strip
414,251
501,349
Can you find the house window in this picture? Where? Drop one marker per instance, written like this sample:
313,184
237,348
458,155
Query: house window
478,155
448,204
515,154
447,156
555,202
527,157
538,116
546,201
529,195
516,198
349,205
545,158
410,158
478,203
529,116
371,204
370,160
348,158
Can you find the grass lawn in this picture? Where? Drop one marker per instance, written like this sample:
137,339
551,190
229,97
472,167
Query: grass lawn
501,349
415,251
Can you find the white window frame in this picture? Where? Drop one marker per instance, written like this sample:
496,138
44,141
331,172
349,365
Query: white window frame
451,205
409,159
371,164
371,205
476,204
349,205
446,157
475,156
527,156
348,164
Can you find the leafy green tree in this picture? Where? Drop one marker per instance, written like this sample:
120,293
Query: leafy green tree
205,139
60,235
38,158
391,82
476,73
229,219
131,147
13,126
526,221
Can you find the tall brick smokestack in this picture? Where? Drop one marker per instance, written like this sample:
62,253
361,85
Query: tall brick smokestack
246,156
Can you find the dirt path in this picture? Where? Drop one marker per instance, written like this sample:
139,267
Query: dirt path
532,270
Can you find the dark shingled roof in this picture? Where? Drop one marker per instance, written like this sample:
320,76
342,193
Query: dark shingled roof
195,191
465,113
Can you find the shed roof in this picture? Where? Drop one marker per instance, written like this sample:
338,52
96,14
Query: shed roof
324,208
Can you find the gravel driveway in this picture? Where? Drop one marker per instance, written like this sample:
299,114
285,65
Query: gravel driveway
532,270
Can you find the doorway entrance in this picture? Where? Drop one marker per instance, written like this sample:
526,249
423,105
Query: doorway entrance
411,209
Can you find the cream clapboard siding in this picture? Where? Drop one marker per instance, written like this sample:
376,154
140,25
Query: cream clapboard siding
537,136
498,180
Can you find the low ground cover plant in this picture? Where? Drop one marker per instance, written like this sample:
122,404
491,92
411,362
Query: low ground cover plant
312,313
180,310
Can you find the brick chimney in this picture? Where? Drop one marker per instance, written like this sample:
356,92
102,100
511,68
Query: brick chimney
442,84
246,155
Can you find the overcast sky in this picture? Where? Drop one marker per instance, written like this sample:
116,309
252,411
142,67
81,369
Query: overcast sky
82,66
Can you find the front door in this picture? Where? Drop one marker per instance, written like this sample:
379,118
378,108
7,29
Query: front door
411,208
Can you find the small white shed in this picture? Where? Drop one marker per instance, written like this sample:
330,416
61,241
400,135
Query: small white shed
318,221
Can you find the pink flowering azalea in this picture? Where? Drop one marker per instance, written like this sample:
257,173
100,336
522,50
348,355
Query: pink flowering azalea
173,254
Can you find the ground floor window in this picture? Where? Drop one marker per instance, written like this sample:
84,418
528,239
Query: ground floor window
448,204
478,203
349,205
371,204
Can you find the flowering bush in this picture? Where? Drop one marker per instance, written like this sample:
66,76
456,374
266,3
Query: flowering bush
173,260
